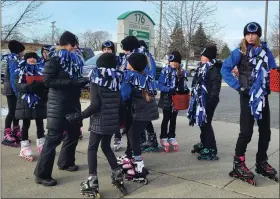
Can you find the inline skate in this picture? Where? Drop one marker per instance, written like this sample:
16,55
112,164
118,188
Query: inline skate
90,188
117,180
241,172
197,148
266,170
136,172
208,154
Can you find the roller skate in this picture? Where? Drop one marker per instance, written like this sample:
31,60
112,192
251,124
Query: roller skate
208,154
165,144
117,144
266,170
121,160
173,144
117,180
151,145
25,151
9,139
137,172
90,188
197,148
241,172
40,143
17,133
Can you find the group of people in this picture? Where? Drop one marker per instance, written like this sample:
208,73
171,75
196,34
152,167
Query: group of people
122,95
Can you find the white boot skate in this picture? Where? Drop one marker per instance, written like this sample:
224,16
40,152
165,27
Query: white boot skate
173,144
25,151
165,144
40,143
137,173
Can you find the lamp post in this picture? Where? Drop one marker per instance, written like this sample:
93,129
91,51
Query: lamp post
265,21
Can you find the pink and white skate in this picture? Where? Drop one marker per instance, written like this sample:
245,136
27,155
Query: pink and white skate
40,143
9,139
165,145
26,152
17,133
173,144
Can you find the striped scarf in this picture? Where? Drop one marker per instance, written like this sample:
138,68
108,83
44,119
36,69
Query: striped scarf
197,110
260,76
71,62
24,70
107,77
141,81
171,76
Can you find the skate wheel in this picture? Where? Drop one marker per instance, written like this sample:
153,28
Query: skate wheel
193,151
123,190
231,174
199,158
146,181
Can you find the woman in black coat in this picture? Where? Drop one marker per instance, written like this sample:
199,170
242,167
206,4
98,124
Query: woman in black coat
31,102
63,77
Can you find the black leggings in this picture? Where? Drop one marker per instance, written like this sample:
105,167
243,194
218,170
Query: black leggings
134,134
12,102
246,129
94,140
26,125
171,117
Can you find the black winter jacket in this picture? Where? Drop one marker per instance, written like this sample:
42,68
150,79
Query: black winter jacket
104,110
213,81
63,96
22,109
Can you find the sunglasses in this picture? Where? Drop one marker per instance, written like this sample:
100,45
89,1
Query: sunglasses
107,44
252,27
171,58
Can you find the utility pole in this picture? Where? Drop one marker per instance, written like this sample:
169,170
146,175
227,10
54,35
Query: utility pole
160,29
265,21
53,26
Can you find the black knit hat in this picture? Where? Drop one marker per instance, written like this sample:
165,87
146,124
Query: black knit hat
16,47
68,38
108,44
252,27
175,56
210,52
143,43
138,61
130,43
107,60
31,55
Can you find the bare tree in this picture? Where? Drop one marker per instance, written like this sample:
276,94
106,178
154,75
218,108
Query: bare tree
94,39
28,18
7,3
189,14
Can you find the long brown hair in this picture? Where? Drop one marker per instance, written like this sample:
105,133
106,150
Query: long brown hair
244,44
179,70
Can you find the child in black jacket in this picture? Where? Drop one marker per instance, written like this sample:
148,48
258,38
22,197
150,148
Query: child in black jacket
206,86
138,89
104,110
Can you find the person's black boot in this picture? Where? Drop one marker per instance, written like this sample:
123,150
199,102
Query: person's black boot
46,182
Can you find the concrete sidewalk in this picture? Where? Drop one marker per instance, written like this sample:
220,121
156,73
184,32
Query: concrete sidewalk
172,175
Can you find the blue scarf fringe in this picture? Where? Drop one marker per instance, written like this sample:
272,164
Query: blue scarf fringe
107,77
171,75
24,70
10,57
260,76
141,81
71,62
197,110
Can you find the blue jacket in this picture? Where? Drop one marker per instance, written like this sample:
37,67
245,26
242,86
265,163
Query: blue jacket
12,65
233,60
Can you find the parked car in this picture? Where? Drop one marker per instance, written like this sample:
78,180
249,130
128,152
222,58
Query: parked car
159,66
191,67
90,64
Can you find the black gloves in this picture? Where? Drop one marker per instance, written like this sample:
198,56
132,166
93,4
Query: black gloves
81,82
74,117
243,91
36,87
172,91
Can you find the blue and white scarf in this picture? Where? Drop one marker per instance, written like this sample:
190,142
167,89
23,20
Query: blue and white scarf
171,76
10,57
71,62
197,110
260,76
107,77
141,81
24,70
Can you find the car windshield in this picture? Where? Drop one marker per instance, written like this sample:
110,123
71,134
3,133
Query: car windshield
92,61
